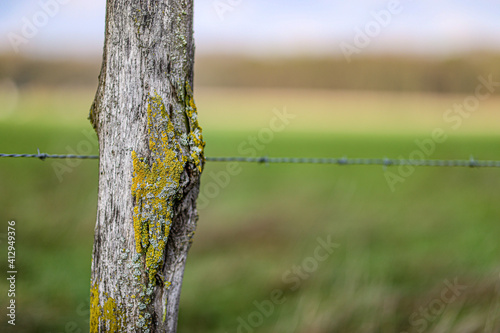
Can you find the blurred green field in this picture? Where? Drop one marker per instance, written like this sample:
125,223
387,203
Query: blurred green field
395,249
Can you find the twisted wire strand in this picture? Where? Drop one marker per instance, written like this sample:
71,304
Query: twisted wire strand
472,163
44,156
362,161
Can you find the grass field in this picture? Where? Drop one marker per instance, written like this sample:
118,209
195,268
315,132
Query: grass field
421,258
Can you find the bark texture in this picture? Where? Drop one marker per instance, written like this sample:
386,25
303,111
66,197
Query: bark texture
151,158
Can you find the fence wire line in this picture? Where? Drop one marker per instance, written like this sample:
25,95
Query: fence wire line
44,156
472,163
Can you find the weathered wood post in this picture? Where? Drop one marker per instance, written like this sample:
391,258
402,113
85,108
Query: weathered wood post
151,158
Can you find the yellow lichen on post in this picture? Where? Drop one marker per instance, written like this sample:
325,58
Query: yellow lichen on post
197,144
155,186
108,314
112,316
95,310
140,228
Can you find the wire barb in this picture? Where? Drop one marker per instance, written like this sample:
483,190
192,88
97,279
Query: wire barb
43,156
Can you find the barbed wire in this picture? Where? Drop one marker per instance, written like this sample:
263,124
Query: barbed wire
386,162
44,156
363,161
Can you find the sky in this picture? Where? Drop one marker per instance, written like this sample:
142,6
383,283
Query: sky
75,28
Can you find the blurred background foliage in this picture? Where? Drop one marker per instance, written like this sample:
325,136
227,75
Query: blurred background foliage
446,74
396,249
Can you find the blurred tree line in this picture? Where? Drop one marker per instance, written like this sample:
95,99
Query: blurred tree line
457,74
